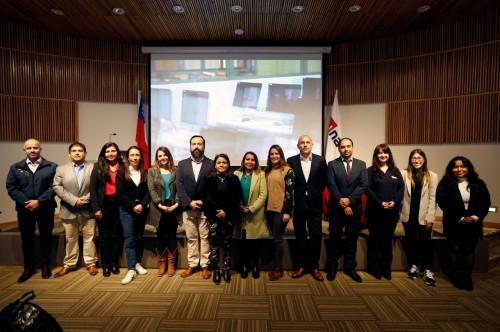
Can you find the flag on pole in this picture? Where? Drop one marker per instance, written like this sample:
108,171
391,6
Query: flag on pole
140,134
333,137
333,134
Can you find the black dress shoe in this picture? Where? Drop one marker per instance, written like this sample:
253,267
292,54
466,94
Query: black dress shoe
468,285
216,277
255,272
244,272
106,272
376,275
387,275
330,276
115,269
27,273
227,275
354,276
46,272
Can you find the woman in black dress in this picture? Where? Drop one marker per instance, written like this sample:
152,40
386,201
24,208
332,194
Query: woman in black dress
465,200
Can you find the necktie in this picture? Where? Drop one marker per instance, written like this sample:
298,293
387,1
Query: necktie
348,170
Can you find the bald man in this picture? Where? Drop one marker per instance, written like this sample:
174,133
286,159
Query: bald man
310,181
29,184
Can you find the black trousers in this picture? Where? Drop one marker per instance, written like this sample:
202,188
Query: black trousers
337,225
27,220
167,232
110,232
417,244
381,225
220,235
308,257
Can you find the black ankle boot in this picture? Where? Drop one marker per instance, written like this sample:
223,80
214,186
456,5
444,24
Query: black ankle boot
244,272
115,269
255,271
216,276
227,275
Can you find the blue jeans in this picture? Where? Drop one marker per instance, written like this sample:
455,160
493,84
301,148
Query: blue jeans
133,229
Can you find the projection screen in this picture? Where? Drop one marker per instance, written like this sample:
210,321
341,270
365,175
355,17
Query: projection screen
237,102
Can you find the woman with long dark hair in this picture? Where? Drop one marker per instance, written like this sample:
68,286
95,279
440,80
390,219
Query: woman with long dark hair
465,200
164,209
385,193
221,204
417,215
253,225
280,183
105,206
133,195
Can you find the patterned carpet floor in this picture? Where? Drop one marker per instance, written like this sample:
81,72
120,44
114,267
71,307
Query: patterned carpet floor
81,302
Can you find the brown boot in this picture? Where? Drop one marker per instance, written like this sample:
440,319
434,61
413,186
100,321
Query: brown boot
172,257
162,262
276,273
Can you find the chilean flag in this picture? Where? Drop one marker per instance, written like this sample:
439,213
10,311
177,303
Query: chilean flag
140,135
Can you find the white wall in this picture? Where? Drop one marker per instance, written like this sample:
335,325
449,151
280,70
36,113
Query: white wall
365,124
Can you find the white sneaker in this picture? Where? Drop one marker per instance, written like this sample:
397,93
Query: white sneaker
131,274
429,278
413,272
140,269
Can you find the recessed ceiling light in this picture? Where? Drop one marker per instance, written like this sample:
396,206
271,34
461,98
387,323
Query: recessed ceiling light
355,8
118,11
57,11
236,8
423,9
178,9
239,31
297,9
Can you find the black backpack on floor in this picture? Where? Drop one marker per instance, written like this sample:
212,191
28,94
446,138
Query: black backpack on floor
22,315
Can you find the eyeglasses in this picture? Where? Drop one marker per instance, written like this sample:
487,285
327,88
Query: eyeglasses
417,159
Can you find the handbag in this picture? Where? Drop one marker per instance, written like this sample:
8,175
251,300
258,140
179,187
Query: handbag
22,315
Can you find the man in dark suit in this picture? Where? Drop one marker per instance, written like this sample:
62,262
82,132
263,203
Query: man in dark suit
310,181
190,179
346,180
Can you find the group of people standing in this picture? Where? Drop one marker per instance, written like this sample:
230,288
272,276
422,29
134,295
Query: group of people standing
214,204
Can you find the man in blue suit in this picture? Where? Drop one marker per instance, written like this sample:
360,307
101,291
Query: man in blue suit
190,179
346,180
310,181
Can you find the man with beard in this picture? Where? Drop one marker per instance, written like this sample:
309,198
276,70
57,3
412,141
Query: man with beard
191,175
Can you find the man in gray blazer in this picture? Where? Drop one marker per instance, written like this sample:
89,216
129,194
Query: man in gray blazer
190,180
72,185
346,180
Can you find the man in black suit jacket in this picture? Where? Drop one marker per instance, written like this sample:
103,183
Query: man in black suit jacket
346,180
310,181
190,179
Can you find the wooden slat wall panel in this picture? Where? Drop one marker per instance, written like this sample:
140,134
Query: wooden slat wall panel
464,119
464,71
50,76
42,74
49,120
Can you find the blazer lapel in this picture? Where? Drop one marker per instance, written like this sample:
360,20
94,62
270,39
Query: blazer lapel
408,185
253,183
298,167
